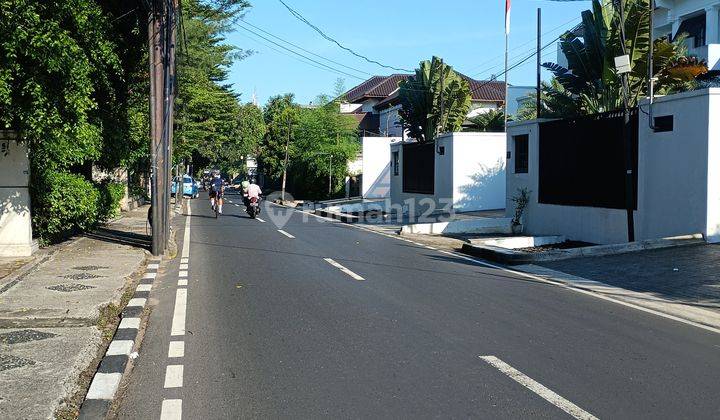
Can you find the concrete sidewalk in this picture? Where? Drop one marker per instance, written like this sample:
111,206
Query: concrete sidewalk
58,310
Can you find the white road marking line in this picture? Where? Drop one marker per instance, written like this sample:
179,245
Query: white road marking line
259,220
153,266
237,205
184,260
150,275
117,347
183,273
183,266
104,386
533,277
186,236
176,349
171,410
178,322
182,282
174,376
143,288
343,269
538,388
129,323
286,234
137,302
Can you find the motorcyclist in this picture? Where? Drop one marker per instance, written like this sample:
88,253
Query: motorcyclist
250,190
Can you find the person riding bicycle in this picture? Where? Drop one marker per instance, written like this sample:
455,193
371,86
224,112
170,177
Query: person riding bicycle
217,190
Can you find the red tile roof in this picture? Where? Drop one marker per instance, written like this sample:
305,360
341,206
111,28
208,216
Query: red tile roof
385,87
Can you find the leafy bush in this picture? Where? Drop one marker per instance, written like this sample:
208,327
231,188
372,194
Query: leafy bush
109,196
68,204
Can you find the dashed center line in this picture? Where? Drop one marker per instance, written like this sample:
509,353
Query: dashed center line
259,220
343,269
538,388
286,234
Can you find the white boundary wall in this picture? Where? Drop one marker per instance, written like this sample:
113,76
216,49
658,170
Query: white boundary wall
469,175
376,166
678,179
15,227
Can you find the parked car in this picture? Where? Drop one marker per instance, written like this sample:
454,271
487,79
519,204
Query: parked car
190,188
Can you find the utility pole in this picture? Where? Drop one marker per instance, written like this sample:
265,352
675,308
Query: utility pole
629,187
442,98
538,100
330,179
287,146
651,70
157,164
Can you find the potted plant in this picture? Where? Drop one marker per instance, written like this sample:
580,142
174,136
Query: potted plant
521,200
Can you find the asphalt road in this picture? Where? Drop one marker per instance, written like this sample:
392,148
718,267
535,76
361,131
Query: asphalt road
274,330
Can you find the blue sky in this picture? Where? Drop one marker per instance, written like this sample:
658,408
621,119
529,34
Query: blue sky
467,34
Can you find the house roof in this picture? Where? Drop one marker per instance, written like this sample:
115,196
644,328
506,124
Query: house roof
375,87
480,91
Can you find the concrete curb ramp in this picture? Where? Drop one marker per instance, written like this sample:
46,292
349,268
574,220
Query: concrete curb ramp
107,379
480,225
512,257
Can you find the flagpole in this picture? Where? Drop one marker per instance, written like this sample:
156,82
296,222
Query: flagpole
507,33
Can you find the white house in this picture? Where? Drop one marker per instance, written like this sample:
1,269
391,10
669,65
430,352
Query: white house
700,19
374,103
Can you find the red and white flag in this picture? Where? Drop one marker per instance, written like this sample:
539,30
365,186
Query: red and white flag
507,17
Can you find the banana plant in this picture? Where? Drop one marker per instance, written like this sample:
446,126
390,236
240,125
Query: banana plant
434,100
590,74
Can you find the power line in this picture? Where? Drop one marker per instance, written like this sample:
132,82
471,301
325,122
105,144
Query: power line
307,51
281,52
298,54
318,30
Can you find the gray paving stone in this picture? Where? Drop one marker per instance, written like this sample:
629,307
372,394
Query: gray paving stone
8,361
23,336
688,274
71,287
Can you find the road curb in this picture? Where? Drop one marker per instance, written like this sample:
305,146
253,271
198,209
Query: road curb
108,377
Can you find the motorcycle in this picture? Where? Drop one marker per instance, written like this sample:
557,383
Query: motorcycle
253,207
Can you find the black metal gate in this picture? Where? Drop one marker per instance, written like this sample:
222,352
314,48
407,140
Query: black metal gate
582,161
418,164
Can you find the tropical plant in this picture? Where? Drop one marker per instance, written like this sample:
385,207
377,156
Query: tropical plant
434,100
490,121
590,75
521,200
556,102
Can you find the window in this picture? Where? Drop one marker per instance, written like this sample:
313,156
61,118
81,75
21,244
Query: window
694,27
396,163
664,123
521,153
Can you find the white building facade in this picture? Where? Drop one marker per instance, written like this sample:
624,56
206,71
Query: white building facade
700,19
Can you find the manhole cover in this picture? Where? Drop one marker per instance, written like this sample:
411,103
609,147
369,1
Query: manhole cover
89,267
81,276
74,287
23,336
8,361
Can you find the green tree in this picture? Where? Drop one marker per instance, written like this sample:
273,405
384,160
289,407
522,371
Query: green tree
435,86
279,114
325,140
207,111
64,84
